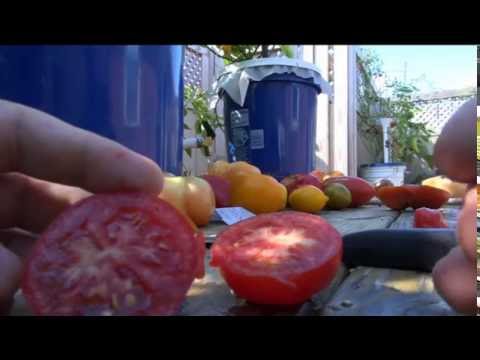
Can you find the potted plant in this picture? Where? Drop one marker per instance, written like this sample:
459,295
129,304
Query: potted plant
409,141
237,53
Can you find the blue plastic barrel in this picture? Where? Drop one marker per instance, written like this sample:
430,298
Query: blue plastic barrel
130,94
275,128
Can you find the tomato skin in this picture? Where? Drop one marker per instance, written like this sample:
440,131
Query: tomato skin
239,168
429,218
222,189
113,253
293,280
430,197
395,197
191,195
270,291
294,182
415,196
258,193
362,192
319,174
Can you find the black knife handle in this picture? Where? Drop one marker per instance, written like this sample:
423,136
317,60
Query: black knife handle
409,249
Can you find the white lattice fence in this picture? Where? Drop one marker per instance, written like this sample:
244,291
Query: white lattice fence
436,112
193,67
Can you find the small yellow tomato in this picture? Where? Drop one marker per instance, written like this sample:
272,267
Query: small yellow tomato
308,198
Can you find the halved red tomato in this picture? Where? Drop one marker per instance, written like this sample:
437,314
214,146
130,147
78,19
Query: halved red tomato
280,258
429,218
114,254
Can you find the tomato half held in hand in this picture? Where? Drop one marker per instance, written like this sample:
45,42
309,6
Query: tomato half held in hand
278,259
429,218
114,254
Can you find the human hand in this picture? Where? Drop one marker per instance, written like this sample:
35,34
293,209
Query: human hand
47,165
455,275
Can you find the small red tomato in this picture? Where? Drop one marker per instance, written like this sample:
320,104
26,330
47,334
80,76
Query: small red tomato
319,174
362,192
278,259
429,218
294,182
114,254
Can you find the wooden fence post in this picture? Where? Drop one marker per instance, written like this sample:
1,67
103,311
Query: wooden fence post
344,125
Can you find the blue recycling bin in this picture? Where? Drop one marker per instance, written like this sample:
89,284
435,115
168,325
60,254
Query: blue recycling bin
130,94
274,129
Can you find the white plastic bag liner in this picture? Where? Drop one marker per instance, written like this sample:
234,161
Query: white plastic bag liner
236,77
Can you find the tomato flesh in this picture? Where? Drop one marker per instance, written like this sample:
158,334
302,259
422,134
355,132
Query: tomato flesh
280,258
114,254
429,218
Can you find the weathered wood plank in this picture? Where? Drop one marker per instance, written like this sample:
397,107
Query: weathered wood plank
211,296
364,218
387,292
373,291
345,221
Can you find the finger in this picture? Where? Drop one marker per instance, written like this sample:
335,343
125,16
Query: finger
10,273
467,225
454,279
456,147
44,147
32,204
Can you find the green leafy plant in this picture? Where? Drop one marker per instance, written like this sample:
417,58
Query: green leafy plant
196,102
409,140
237,53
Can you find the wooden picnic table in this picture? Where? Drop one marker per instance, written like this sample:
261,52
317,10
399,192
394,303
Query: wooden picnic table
359,291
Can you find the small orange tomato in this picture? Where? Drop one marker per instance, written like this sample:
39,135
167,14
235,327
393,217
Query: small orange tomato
332,174
259,193
319,174
240,167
